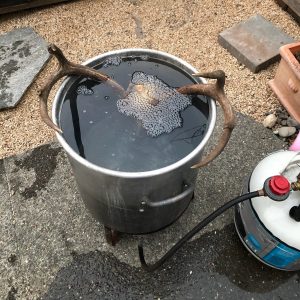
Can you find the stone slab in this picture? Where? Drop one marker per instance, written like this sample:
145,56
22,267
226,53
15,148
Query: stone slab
9,6
292,7
254,42
23,53
62,252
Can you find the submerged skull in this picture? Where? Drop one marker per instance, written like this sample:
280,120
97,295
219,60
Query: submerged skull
154,103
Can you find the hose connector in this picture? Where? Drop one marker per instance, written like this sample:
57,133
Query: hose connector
277,188
296,185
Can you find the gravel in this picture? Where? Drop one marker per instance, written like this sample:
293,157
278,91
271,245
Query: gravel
185,28
283,125
286,131
270,121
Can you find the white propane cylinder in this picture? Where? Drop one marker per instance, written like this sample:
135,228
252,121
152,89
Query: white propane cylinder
275,215
264,225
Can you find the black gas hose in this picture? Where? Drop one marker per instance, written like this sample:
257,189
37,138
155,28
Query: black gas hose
195,230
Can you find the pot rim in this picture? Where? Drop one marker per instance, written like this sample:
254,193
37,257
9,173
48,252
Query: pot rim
287,52
56,108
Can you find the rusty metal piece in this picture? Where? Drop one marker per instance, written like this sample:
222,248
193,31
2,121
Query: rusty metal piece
295,186
112,236
68,68
215,91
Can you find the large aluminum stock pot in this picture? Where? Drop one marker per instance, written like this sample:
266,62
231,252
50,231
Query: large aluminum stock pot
138,202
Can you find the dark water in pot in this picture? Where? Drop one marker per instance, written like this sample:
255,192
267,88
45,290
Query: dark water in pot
93,126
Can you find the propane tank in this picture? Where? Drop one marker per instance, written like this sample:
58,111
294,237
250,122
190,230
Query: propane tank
270,228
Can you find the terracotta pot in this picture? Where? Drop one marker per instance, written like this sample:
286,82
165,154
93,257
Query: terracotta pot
286,84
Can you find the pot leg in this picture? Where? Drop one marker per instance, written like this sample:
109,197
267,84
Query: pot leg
111,236
193,196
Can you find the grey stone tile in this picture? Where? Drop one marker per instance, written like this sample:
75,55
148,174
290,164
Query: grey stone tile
292,7
23,53
254,42
17,5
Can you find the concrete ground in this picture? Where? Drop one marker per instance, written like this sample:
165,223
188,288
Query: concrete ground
51,248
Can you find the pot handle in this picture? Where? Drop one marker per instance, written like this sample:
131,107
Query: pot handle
67,68
215,91
188,190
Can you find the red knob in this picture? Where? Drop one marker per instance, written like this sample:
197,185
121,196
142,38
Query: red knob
279,185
